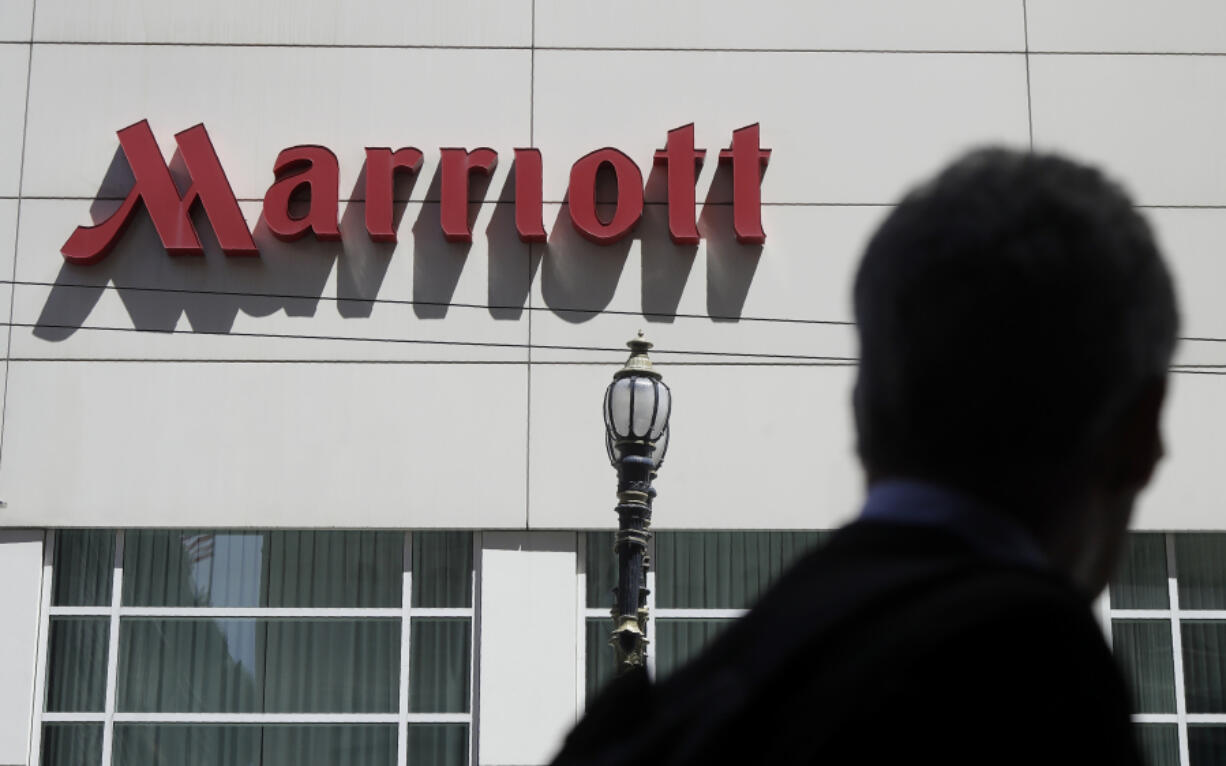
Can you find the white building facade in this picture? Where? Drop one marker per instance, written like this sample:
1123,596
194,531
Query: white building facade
346,500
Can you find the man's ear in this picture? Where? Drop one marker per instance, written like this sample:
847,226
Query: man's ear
1134,445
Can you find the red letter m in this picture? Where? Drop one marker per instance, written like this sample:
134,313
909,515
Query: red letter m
169,211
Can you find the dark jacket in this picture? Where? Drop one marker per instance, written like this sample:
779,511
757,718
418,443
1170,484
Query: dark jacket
891,644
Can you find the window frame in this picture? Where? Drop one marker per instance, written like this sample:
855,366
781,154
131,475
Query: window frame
586,613
1175,615
115,611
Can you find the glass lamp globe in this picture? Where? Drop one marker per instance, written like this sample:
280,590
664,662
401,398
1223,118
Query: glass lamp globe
637,405
657,452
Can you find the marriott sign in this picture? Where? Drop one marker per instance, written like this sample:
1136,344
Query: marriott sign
316,169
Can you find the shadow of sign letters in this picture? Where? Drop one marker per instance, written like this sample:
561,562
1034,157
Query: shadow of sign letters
578,278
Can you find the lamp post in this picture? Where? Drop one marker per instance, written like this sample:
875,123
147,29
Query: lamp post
636,409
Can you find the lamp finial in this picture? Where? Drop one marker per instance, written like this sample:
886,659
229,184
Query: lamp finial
638,363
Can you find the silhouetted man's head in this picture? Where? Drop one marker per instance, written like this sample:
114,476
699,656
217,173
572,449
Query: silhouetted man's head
1015,320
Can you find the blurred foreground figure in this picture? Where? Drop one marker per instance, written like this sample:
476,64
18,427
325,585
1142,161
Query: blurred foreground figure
1016,324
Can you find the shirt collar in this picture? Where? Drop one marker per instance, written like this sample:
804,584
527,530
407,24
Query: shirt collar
987,530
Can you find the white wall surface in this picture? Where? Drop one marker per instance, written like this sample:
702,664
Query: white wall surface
256,101
21,572
529,636
431,384
780,24
14,60
16,20
288,22
1134,26
1184,494
844,128
1155,121
1194,239
265,444
304,300
725,467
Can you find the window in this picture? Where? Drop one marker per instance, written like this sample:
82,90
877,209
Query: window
699,583
1167,609
200,648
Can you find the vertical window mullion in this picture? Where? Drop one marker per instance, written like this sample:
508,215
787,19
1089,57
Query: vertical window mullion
44,639
474,651
112,651
406,619
581,631
651,607
1181,705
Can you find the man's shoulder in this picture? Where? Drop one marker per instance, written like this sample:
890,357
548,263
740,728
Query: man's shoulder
855,635
878,623
901,592
869,570
878,598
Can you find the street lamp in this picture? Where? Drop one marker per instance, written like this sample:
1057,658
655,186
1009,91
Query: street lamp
636,409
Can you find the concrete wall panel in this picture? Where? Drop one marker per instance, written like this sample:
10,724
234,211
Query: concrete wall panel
975,25
288,22
256,101
264,445
529,636
844,127
21,571
1137,26
421,299
751,448
1154,121
1186,493
14,62
15,20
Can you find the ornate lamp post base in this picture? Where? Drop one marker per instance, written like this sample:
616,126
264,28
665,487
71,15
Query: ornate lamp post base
629,637
629,641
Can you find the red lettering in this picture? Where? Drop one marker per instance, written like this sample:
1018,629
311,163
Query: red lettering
315,167
381,167
681,161
583,196
529,197
169,211
455,167
747,159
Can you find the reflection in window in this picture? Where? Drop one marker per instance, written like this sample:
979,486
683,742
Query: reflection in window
70,744
1204,665
253,666
76,652
1207,744
703,580
274,745
678,641
1166,603
1140,580
84,559
263,569
296,637
722,570
1159,742
438,670
1201,559
1143,647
